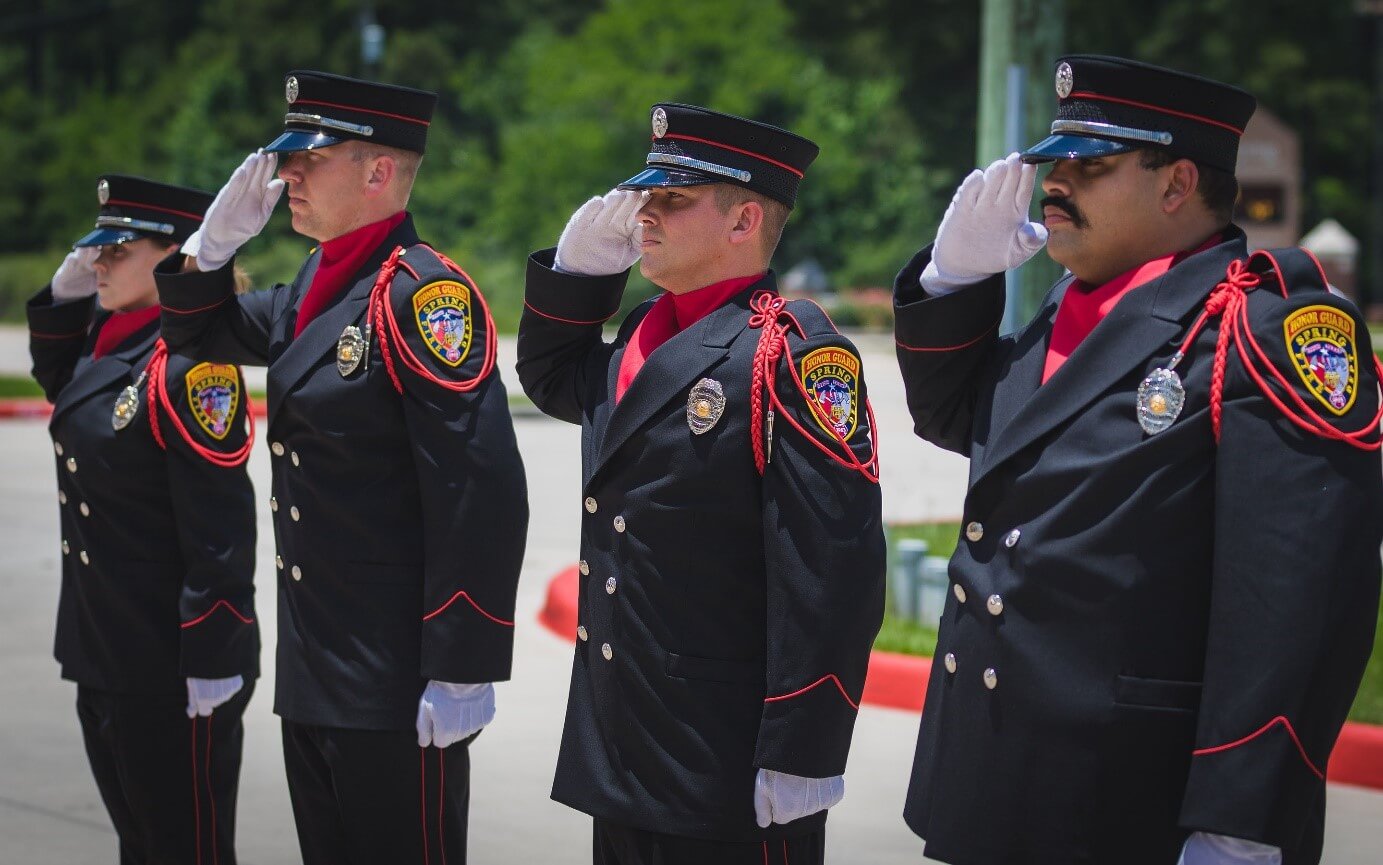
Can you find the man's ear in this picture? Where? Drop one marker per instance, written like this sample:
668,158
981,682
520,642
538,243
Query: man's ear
382,172
1181,180
748,222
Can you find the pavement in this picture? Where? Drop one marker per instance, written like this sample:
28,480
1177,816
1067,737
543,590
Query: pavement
49,808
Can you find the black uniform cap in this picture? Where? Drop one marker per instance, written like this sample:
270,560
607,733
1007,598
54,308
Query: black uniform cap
326,109
1110,105
132,207
694,146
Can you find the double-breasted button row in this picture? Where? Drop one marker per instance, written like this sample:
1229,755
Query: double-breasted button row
278,450
591,505
974,532
581,633
585,568
990,676
994,603
57,448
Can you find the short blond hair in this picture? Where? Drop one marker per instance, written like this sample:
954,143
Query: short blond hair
776,213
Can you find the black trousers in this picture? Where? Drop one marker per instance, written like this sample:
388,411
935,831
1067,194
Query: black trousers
373,797
169,782
616,844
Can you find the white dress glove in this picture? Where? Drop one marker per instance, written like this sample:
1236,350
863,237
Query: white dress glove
603,235
204,695
448,713
1203,848
239,212
76,276
986,229
782,798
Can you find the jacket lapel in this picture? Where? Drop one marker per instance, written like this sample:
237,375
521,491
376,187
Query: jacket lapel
93,376
1144,324
323,332
669,372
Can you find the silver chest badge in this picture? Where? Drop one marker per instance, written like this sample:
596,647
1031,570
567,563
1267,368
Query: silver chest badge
351,348
1160,398
705,405
127,404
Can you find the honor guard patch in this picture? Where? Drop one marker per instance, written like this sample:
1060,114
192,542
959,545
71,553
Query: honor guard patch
1321,342
213,391
832,378
443,311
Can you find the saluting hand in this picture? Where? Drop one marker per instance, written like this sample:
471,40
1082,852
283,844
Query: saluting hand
239,212
603,235
76,276
986,228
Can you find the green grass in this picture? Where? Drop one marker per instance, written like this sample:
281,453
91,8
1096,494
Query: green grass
911,638
19,386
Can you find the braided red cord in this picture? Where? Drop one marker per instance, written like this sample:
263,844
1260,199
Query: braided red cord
774,320
1229,300
381,317
158,395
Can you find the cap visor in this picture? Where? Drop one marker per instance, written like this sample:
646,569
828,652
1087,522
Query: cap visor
297,139
108,237
1074,147
651,178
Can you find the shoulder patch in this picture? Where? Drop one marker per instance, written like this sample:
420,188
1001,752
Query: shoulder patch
831,376
213,392
443,312
1322,343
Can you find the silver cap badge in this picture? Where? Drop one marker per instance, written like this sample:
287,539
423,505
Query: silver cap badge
290,89
103,191
659,123
1065,80
705,405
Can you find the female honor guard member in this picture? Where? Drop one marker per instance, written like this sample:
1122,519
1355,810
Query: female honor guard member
1166,590
399,504
156,620
732,553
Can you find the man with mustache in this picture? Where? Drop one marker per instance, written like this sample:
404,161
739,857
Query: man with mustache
1166,588
732,548
399,503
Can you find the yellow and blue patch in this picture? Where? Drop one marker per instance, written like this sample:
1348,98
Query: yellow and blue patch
443,312
213,392
832,379
1322,343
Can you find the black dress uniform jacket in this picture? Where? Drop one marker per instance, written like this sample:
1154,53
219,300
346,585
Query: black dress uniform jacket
400,519
1176,629
725,618
157,545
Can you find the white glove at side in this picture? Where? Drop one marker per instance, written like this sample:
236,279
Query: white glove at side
239,212
782,798
603,235
76,276
204,695
986,229
1203,848
448,713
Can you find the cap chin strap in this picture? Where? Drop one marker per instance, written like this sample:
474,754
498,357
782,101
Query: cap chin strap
328,123
1109,130
699,165
133,224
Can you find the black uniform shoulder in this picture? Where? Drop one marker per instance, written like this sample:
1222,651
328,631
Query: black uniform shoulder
440,313
211,403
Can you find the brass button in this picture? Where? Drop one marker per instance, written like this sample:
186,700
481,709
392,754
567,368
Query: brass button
274,504
86,511
585,568
581,633
991,678
995,605
295,513
619,524
86,560
297,572
974,531
72,464
277,448
950,662
610,586
590,505
959,591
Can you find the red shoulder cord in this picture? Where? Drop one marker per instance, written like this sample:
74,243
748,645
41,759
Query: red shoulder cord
385,323
158,395
771,314
1229,299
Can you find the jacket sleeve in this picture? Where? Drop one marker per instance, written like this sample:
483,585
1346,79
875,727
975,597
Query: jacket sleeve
943,345
824,560
1294,599
204,318
560,346
213,507
57,334
474,494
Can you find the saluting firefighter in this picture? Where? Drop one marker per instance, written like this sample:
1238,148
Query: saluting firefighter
1166,587
732,548
156,619
399,502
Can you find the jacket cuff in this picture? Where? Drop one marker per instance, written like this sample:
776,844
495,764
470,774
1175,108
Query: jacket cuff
807,732
568,298
194,291
58,319
924,323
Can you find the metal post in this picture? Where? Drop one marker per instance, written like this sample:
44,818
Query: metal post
996,55
1014,140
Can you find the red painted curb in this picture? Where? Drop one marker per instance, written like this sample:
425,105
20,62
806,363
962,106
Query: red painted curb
13,408
900,682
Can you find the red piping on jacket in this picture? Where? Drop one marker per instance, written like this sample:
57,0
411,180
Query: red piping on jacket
829,676
568,320
221,603
987,331
471,601
1280,719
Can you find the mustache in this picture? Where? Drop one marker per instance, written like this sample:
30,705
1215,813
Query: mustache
1066,207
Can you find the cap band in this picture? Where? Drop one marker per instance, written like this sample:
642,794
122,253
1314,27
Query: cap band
134,224
329,123
359,110
699,165
1109,130
1159,109
749,153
